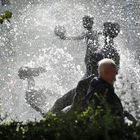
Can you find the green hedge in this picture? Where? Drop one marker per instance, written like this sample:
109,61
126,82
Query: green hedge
89,125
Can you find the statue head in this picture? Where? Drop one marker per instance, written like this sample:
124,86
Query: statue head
88,22
111,29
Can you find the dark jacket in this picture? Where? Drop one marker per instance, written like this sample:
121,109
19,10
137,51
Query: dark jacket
73,97
80,93
101,93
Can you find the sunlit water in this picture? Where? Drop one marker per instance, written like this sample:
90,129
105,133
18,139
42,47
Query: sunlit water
29,40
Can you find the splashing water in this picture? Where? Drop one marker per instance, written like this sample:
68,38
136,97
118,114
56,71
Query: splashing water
30,41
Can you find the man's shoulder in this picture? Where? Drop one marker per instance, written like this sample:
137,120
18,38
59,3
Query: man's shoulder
87,79
98,85
84,83
96,81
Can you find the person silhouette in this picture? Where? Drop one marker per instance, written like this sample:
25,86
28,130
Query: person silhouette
91,38
109,50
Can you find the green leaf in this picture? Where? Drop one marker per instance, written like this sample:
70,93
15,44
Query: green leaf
8,14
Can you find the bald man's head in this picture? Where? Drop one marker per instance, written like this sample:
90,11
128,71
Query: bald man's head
107,70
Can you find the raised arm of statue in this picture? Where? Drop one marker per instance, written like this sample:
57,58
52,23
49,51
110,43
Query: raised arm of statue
79,37
61,31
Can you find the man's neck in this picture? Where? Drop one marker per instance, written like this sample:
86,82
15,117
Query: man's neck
107,80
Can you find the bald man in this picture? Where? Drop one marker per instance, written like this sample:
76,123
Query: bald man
101,88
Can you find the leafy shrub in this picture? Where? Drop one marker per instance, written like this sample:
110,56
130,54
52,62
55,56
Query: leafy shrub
88,125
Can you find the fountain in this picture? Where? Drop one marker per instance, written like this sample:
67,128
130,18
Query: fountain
29,40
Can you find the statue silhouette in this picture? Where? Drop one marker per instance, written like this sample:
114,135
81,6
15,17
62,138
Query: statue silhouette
110,31
91,38
34,97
